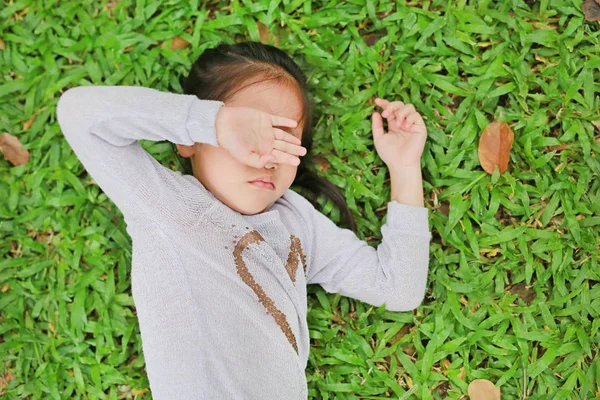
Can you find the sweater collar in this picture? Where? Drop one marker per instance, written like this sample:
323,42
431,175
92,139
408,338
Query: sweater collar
263,217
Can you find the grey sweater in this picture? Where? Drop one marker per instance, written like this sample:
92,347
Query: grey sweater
220,296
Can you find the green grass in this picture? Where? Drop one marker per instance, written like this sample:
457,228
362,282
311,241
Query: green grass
514,293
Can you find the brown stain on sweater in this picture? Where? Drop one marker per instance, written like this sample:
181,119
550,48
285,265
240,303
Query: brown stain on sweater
292,261
295,254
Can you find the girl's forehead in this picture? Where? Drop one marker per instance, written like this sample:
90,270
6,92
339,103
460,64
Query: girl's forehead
272,98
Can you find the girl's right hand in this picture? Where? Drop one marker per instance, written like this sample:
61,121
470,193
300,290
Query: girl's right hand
250,136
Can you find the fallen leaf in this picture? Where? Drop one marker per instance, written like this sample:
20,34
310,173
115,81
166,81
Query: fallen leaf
524,292
442,389
11,148
27,124
176,43
482,389
591,10
445,363
494,146
266,37
179,43
372,37
8,376
560,147
445,208
322,163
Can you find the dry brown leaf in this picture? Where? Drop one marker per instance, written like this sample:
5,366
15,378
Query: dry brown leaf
11,148
27,124
2,46
591,10
524,292
267,37
445,208
176,43
494,146
179,43
559,147
322,163
372,38
4,381
482,389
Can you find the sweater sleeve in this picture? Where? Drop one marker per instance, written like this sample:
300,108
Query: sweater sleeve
103,124
394,273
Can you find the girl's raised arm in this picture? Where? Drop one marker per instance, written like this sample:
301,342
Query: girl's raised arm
103,124
395,273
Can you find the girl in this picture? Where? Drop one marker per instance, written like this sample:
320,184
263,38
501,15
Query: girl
221,257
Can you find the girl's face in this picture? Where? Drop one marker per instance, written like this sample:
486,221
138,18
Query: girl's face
227,178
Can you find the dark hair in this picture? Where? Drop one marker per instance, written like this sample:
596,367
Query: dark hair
219,73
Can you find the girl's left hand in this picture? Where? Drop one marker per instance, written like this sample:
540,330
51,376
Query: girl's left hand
406,137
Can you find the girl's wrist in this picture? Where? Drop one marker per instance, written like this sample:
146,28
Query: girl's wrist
219,120
407,185
404,167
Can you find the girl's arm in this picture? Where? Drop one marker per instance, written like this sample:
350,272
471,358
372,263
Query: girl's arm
103,124
395,273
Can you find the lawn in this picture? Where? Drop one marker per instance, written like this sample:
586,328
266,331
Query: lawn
514,280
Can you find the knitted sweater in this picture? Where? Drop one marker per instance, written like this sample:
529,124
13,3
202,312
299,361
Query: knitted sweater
221,296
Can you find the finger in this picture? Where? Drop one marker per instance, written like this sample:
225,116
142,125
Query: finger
409,121
392,108
377,125
284,158
391,120
289,148
280,134
276,120
381,102
266,159
402,113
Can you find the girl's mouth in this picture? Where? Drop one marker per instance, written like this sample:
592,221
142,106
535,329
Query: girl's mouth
263,185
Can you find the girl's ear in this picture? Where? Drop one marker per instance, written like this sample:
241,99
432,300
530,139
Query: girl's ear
185,151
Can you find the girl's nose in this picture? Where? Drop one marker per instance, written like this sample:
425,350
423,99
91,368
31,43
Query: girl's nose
271,166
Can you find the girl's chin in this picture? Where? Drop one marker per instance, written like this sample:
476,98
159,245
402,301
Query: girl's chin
254,210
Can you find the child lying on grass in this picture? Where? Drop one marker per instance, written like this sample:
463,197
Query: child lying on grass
222,256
